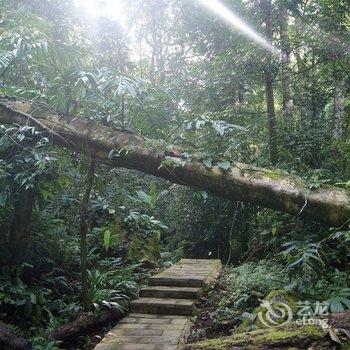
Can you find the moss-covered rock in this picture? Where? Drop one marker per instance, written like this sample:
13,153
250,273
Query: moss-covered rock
278,299
143,248
135,246
290,336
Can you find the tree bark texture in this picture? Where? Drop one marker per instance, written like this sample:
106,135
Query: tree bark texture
87,322
266,8
339,103
22,211
287,97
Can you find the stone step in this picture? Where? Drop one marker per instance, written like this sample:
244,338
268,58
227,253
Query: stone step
170,292
161,318
163,306
175,281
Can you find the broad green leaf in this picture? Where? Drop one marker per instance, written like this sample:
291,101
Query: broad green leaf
225,165
204,194
32,298
107,239
144,197
79,90
208,162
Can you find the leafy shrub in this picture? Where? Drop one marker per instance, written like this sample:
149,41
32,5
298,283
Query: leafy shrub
25,303
246,284
305,256
144,224
333,288
108,288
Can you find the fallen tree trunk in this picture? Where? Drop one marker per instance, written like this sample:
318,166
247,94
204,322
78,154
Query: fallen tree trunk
86,322
10,341
119,148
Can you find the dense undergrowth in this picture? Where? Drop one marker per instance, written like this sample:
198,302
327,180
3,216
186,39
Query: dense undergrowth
245,286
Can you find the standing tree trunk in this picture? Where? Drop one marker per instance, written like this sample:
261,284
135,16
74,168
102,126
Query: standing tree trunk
266,8
241,92
22,211
339,100
270,102
83,232
287,99
301,83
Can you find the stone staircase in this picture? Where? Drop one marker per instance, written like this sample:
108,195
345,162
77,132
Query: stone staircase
161,318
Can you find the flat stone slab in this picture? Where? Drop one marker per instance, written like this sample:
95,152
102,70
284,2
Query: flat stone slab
170,292
188,273
164,306
143,331
160,319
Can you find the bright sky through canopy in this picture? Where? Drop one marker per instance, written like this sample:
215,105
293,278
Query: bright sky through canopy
112,9
234,21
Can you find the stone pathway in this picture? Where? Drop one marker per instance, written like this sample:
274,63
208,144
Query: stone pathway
161,318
